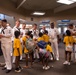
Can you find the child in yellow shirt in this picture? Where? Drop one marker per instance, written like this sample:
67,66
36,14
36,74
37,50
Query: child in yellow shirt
49,48
40,38
45,36
44,51
68,41
17,51
24,39
26,51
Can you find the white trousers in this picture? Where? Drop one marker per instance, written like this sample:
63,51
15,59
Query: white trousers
7,55
54,45
36,54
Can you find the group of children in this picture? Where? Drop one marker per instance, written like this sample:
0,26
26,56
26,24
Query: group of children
29,47
42,45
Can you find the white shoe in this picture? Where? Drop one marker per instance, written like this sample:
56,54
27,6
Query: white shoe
57,59
66,62
51,58
46,68
43,67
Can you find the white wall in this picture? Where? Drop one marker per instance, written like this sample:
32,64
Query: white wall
10,20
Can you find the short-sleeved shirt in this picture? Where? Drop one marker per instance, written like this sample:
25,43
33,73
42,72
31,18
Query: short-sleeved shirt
49,48
75,39
68,39
46,38
13,31
35,33
7,32
16,45
23,32
24,39
53,33
40,39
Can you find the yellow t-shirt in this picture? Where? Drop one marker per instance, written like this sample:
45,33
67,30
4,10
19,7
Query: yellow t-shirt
17,44
49,48
68,39
46,38
24,40
40,39
75,39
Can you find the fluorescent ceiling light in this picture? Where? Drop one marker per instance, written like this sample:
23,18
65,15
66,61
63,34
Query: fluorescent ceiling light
73,0
38,13
68,2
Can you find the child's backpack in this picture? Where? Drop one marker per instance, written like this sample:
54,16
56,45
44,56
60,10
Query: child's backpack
30,45
42,44
44,53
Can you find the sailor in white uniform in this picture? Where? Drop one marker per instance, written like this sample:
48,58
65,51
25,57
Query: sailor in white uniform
23,30
6,45
35,33
43,29
54,35
0,39
15,28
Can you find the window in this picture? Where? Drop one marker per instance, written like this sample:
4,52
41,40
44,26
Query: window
29,26
59,29
65,28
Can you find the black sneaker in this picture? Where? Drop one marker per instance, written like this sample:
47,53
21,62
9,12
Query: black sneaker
20,68
7,71
4,68
17,70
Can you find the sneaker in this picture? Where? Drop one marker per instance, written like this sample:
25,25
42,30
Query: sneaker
8,71
17,70
46,68
4,68
66,62
20,68
51,59
43,67
57,59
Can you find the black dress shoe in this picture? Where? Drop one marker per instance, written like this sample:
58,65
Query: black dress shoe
4,68
7,71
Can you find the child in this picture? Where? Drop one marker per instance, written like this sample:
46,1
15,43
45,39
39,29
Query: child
40,38
17,51
49,48
45,36
36,53
68,41
27,49
46,39
47,54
